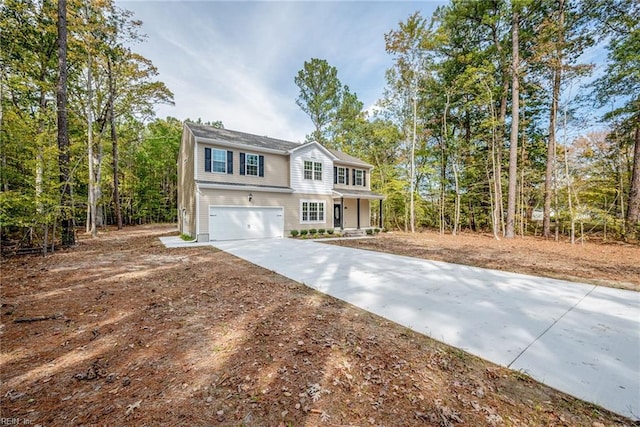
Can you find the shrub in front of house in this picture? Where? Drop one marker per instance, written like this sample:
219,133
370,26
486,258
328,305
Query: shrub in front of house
321,231
369,232
330,231
312,231
294,233
303,233
376,230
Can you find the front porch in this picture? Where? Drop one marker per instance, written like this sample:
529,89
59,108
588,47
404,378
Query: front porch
352,211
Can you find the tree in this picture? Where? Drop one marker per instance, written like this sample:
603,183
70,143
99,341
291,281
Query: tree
409,45
66,204
319,95
347,123
620,85
515,115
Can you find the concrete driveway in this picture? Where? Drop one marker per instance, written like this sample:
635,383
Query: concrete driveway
578,338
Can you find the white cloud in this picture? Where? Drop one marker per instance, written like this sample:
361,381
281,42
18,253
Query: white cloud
236,61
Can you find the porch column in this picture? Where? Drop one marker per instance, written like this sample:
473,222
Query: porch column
380,216
358,212
341,213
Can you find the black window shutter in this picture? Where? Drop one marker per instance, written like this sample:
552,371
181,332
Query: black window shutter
364,178
335,174
230,162
260,165
354,176
346,176
241,163
207,159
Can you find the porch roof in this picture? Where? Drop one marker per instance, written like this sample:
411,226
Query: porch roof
358,194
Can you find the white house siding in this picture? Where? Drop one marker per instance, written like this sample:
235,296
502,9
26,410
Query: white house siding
315,154
290,202
276,168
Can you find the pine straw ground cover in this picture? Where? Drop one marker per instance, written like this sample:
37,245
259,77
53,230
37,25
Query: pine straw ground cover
121,331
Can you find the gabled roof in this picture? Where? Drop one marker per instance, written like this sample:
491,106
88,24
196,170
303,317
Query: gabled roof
321,147
239,138
345,158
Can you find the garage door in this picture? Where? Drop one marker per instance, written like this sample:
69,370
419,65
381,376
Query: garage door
236,222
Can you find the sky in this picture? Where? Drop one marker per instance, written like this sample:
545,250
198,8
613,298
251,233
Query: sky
235,61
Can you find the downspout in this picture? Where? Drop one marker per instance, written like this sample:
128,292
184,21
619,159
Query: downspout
358,212
341,213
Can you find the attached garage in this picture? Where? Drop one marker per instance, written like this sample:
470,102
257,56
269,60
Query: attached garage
245,222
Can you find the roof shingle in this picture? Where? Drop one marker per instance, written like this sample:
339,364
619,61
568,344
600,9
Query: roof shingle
235,137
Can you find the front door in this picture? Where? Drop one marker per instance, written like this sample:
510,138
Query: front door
337,217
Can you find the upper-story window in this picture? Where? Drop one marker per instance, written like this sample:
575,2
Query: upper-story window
313,170
218,160
341,175
358,177
251,164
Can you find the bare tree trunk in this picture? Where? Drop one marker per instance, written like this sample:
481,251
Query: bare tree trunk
498,153
40,169
513,149
413,166
633,207
92,196
68,236
443,177
551,156
456,219
114,147
553,116
621,186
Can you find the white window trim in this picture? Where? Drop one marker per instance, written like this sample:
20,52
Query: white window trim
361,178
213,150
312,170
324,211
344,175
317,165
246,164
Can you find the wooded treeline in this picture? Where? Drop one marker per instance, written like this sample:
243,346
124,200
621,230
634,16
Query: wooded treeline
120,167
492,118
488,121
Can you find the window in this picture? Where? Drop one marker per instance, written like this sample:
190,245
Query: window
219,161
312,211
252,165
317,171
341,175
312,170
358,177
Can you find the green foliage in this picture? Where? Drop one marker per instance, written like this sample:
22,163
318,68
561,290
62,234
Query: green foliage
313,231
319,95
294,233
330,231
321,231
369,232
29,176
303,233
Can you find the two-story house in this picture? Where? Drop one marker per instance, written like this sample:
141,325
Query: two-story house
234,185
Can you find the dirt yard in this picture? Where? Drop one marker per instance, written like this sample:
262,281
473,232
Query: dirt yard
612,264
120,331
